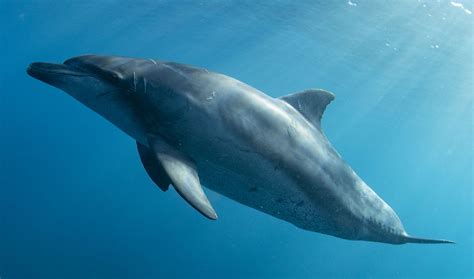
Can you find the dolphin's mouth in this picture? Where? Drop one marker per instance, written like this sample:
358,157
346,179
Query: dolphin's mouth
44,71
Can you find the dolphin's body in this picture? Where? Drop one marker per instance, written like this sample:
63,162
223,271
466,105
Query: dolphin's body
194,126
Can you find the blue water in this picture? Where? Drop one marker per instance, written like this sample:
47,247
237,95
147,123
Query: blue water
75,201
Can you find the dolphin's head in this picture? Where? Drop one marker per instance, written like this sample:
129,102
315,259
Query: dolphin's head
97,83
125,91
85,77
84,85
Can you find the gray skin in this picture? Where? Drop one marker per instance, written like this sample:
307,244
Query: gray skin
269,154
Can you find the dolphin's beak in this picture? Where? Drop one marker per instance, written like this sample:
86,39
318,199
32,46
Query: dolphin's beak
51,73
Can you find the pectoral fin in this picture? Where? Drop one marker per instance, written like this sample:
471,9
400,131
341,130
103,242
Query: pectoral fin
153,167
183,175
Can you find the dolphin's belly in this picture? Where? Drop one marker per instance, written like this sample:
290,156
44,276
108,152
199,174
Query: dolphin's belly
246,177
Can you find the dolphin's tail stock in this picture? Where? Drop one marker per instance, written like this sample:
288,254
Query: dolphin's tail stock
410,239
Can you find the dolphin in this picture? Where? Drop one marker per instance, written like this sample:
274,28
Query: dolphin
195,127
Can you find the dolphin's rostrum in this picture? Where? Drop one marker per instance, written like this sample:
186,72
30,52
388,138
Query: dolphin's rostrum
194,126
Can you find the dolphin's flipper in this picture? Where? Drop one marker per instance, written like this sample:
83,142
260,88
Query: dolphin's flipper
153,167
183,175
310,103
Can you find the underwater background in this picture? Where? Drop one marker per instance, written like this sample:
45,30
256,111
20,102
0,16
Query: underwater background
75,201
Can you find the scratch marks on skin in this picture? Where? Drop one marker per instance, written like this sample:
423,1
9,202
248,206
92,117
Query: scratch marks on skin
144,84
134,82
153,61
213,94
175,70
299,105
291,129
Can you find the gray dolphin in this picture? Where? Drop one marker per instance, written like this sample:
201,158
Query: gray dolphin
194,126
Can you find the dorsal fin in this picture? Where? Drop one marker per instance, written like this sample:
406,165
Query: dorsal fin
310,103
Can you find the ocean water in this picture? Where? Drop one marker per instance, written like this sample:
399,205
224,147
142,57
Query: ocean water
75,201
